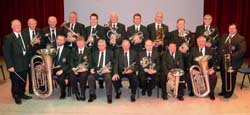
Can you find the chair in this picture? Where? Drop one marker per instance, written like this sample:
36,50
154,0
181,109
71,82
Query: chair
1,66
245,71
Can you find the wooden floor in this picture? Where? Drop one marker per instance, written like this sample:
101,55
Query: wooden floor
239,104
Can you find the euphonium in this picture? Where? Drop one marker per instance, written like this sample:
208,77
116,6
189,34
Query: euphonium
228,68
112,33
174,80
41,70
207,33
184,46
138,35
200,81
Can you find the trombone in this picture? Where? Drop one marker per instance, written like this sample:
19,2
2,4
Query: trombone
228,67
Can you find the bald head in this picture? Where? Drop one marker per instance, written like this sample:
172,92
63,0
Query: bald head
52,21
114,17
32,23
149,45
73,17
158,17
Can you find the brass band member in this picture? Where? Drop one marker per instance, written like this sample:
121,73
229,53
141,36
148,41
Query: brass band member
101,65
114,39
137,33
50,33
16,54
61,63
210,32
202,50
125,66
33,34
172,59
80,68
158,32
76,27
149,66
233,46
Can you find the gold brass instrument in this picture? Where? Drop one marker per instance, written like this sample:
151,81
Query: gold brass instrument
200,81
207,33
160,35
184,35
91,39
41,71
174,80
82,66
107,66
63,25
228,68
136,35
127,68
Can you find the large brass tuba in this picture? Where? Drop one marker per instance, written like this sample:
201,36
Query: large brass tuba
173,81
200,81
41,70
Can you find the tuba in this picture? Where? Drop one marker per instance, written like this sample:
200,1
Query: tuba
41,71
138,35
173,82
200,81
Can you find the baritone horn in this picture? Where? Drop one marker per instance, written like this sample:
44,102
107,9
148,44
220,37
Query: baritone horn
200,81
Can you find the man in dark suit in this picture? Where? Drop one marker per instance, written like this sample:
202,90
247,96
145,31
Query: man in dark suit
50,33
153,31
80,68
33,35
173,59
94,32
61,64
210,32
16,51
202,50
149,69
113,39
233,45
125,66
137,41
101,65
76,27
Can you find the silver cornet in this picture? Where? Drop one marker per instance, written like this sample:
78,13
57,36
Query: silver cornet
107,66
136,35
63,25
129,67
91,39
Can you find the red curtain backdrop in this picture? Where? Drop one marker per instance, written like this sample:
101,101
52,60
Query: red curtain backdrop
25,9
226,12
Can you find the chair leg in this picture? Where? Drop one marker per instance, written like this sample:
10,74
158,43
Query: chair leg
243,79
248,78
3,72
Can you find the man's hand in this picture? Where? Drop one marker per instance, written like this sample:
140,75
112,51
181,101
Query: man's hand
11,69
112,41
208,44
115,77
211,71
92,71
58,73
193,72
129,71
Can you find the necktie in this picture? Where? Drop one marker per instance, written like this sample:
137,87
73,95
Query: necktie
172,54
58,54
158,26
93,30
206,28
72,27
136,29
201,52
20,38
101,60
53,37
228,38
125,59
149,56
113,26
33,34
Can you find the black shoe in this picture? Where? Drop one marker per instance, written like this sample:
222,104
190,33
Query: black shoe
18,101
165,97
132,98
118,95
143,92
63,95
82,98
211,96
221,93
92,98
26,97
31,91
109,99
180,98
77,96
191,94
149,93
101,86
227,95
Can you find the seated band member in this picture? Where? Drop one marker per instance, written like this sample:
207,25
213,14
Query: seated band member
233,45
101,65
76,27
158,32
33,34
61,64
172,59
50,33
202,50
16,56
125,66
149,66
137,33
114,40
80,68
210,32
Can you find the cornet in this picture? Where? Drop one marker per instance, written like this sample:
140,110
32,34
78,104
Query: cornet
82,66
32,42
129,67
68,29
136,35
107,66
91,39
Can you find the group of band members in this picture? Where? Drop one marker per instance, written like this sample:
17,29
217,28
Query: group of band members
113,53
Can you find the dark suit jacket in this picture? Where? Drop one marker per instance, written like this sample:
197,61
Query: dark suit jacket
45,40
155,57
78,29
100,32
194,52
13,53
26,33
169,63
121,30
119,60
64,61
200,32
174,36
238,47
95,57
80,58
152,32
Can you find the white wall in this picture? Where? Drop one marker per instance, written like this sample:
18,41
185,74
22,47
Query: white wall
191,10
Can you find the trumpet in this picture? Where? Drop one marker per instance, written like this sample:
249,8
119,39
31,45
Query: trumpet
147,63
91,39
136,35
63,25
82,66
107,66
200,81
127,68
228,68
184,46
174,80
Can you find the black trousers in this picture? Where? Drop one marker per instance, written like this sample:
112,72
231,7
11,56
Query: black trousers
82,78
61,81
92,84
224,82
148,85
17,85
30,79
132,82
